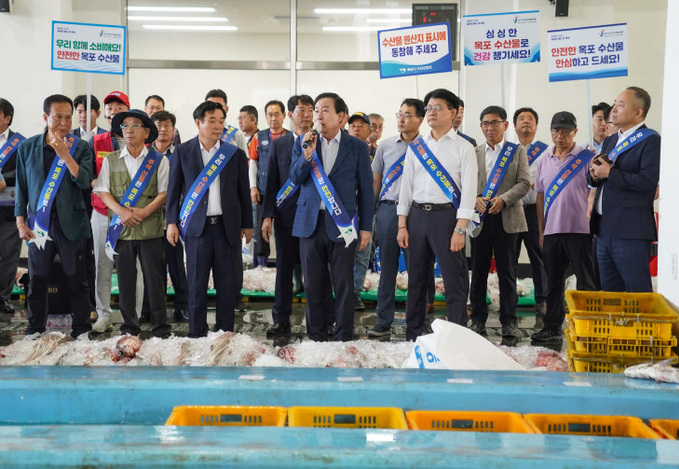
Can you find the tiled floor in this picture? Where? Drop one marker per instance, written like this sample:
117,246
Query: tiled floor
257,318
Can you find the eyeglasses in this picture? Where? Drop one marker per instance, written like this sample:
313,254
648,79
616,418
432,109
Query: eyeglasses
486,124
131,126
561,132
163,126
405,116
435,108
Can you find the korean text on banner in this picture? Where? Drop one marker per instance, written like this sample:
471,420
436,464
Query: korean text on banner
417,50
512,37
91,48
584,53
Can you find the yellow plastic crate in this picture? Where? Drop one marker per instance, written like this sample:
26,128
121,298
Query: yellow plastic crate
648,347
620,315
469,421
347,417
595,425
667,428
228,416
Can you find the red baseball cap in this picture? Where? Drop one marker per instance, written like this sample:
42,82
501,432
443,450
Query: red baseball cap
117,96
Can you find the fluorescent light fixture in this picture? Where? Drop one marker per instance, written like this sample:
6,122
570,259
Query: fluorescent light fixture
389,20
343,29
363,11
187,27
188,19
174,9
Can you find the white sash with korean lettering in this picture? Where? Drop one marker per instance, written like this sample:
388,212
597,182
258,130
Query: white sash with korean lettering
500,167
131,197
41,222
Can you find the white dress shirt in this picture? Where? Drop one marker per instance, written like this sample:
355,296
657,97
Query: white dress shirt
87,136
531,197
621,136
455,154
329,149
133,164
214,200
3,137
491,156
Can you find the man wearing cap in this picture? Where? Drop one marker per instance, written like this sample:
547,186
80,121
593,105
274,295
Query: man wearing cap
259,149
503,179
563,225
623,217
526,127
214,218
51,155
101,145
359,127
141,238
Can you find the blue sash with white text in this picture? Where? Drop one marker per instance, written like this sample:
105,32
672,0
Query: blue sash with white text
637,137
10,147
285,193
48,193
200,186
333,204
564,177
131,197
534,150
436,170
393,173
228,133
497,174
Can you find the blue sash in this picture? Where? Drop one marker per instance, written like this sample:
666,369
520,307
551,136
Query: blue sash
565,176
200,186
131,197
394,172
630,141
534,150
228,133
346,226
497,174
10,147
48,193
285,193
436,171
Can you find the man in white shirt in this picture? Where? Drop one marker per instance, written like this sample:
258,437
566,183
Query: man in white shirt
429,223
80,103
142,235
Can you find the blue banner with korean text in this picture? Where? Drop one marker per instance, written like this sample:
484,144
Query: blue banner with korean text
417,50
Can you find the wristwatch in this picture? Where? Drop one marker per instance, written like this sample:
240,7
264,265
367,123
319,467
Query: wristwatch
461,231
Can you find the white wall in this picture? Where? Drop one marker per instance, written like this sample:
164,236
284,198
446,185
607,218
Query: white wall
668,284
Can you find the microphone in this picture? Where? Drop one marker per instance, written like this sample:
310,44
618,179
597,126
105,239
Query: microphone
314,131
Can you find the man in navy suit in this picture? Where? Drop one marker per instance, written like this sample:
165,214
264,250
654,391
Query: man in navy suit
346,162
222,217
458,121
301,113
622,216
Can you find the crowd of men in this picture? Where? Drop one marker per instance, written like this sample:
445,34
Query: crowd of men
139,199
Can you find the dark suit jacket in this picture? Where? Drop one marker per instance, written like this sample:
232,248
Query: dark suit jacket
9,173
280,159
185,166
70,206
351,177
76,132
467,138
629,191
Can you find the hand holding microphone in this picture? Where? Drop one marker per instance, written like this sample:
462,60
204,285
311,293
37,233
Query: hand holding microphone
310,140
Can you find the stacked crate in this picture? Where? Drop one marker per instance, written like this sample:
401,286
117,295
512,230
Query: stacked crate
609,331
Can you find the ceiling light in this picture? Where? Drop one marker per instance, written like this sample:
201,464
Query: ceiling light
364,11
389,20
188,19
186,27
174,9
340,29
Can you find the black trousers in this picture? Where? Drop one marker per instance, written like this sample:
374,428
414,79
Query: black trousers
494,239
212,251
175,266
287,257
10,249
561,250
151,255
261,248
72,254
430,235
531,239
317,252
